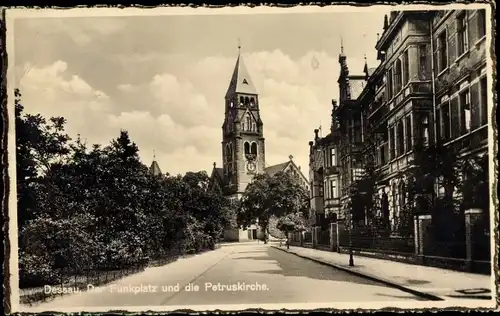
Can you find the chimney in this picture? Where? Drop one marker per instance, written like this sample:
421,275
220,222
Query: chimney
311,144
316,131
386,22
215,164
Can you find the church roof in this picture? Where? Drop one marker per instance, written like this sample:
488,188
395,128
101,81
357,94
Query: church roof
272,170
220,172
371,71
155,168
240,81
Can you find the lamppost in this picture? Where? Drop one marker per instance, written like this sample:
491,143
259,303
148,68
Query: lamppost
349,223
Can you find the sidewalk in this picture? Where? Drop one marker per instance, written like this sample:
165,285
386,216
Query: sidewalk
433,283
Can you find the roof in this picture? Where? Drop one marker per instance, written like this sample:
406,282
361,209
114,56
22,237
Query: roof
356,86
155,168
240,81
220,172
371,71
272,170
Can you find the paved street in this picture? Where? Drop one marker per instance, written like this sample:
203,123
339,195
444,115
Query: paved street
277,277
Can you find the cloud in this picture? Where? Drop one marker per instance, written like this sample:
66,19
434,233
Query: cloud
179,112
125,87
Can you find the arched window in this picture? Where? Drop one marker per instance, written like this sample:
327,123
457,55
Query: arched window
247,148
248,123
228,153
242,100
397,76
247,101
252,101
254,149
254,127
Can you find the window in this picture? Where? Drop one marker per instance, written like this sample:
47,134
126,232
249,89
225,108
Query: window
442,52
424,130
445,121
392,150
333,189
406,66
333,156
400,138
422,62
389,84
409,143
247,148
248,123
462,35
481,23
483,90
465,111
382,155
254,149
397,76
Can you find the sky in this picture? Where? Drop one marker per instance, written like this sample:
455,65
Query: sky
163,78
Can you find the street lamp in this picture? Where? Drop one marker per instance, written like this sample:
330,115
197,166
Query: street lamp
349,221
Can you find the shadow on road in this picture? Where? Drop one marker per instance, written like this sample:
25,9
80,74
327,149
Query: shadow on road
291,265
409,297
254,258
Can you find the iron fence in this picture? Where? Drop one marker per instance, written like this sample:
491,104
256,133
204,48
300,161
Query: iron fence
79,282
308,237
324,237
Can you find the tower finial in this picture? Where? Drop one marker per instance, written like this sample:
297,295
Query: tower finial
154,154
341,44
239,44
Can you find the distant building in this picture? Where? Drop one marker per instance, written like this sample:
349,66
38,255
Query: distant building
154,169
243,146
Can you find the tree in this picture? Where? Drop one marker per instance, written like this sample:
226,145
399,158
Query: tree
39,144
291,222
433,164
266,196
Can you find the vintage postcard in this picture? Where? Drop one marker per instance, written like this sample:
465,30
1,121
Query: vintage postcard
298,158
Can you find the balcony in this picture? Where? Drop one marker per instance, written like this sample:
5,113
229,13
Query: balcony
476,139
401,163
331,170
332,203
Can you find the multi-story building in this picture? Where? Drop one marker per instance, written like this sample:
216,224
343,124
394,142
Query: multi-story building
459,49
324,174
429,88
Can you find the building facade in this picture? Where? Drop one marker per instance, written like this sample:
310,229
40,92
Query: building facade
429,89
243,146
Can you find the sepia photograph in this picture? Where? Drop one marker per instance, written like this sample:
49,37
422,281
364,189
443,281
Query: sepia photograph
235,158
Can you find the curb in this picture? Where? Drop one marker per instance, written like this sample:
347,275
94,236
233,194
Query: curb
428,296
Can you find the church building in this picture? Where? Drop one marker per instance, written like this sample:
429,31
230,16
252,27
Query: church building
243,146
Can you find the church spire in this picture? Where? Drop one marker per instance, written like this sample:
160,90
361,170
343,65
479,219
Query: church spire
365,69
154,169
240,80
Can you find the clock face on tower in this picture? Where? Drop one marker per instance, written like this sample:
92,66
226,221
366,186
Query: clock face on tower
251,167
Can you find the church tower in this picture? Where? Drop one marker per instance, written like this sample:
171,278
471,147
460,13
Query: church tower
243,152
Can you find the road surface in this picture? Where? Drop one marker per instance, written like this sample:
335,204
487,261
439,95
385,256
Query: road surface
233,274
